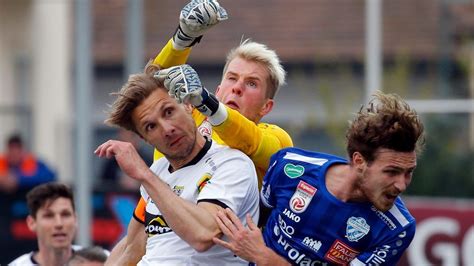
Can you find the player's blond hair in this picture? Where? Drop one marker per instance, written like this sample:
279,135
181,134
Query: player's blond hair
260,53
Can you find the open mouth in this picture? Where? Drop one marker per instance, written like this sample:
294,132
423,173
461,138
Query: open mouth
232,105
391,197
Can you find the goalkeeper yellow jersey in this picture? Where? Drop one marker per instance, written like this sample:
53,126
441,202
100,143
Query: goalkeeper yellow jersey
259,141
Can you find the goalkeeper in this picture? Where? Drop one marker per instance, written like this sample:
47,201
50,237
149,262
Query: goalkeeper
251,78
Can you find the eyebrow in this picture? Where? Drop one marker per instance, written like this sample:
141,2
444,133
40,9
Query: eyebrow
251,76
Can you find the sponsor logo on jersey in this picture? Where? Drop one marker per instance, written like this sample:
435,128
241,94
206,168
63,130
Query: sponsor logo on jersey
288,230
178,190
205,129
291,215
315,245
340,253
391,225
203,181
296,256
402,234
293,171
157,226
302,197
379,255
356,228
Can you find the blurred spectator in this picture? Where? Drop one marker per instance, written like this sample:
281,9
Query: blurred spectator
111,172
20,169
52,217
91,256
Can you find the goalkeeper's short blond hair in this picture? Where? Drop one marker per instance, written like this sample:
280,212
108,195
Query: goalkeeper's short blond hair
260,53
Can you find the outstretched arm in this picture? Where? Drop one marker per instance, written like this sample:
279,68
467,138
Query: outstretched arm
195,224
246,243
195,19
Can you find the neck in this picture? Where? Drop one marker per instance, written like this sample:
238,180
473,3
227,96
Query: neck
341,182
52,256
198,145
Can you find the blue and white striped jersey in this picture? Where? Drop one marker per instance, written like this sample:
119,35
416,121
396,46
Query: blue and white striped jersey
309,226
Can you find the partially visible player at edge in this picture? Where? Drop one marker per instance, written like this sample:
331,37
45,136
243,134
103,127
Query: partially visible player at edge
330,210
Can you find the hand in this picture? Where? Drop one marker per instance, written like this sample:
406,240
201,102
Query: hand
246,243
196,18
183,83
126,156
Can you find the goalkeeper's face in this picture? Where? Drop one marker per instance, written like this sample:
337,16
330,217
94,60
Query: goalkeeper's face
167,125
244,88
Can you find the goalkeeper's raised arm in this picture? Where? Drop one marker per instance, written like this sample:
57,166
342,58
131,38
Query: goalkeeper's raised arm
197,17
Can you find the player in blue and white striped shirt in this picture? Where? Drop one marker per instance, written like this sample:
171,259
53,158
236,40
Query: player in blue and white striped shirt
329,210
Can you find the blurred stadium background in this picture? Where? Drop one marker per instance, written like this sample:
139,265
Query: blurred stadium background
60,59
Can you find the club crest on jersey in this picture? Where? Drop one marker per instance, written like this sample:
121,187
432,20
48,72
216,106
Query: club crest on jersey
302,197
356,228
206,178
178,190
205,129
293,171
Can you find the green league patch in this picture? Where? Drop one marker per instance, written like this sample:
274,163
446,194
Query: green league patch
293,171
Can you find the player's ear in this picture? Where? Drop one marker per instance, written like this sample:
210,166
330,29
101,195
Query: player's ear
358,161
266,108
31,223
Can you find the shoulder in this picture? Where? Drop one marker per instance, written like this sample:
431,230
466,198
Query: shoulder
306,156
159,164
224,153
24,259
278,132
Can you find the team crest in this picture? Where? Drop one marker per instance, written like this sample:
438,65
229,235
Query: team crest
293,171
178,190
302,197
205,129
356,228
206,178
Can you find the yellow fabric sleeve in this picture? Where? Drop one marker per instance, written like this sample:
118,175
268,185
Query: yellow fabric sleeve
169,56
259,142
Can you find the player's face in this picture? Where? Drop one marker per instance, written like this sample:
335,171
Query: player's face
166,125
387,176
243,88
55,224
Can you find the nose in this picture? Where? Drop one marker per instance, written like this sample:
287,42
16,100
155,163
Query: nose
401,183
58,221
168,129
237,88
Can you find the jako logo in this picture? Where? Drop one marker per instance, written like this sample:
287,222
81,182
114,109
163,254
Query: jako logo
291,215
